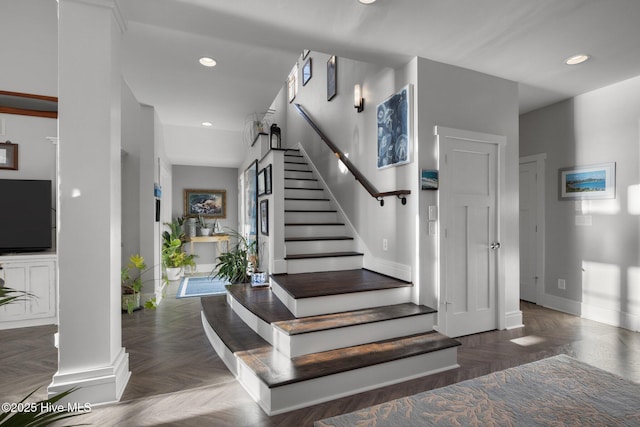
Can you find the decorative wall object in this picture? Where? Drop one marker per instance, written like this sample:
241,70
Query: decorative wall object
8,155
306,72
428,179
394,129
332,77
267,179
264,217
305,53
261,182
292,83
275,136
206,203
250,184
587,182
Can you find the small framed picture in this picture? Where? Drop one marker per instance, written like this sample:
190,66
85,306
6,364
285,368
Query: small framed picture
8,155
305,53
264,217
306,72
206,203
587,182
428,179
292,84
332,83
267,179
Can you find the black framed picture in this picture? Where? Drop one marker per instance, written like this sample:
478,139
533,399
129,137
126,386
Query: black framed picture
264,217
8,155
261,182
332,83
306,72
267,179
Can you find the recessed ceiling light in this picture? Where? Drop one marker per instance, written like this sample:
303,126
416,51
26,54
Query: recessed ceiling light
207,124
577,59
367,1
208,62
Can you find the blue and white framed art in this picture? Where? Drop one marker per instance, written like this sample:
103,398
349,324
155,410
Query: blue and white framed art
394,129
428,179
587,182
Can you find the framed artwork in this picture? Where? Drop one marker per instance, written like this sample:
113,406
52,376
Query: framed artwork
292,84
8,155
250,187
394,129
306,72
587,182
261,182
332,82
207,203
305,53
428,179
264,217
267,179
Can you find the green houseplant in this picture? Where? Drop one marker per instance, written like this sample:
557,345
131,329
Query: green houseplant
131,282
174,259
237,264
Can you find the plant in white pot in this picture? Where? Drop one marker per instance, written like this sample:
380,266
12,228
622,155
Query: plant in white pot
205,228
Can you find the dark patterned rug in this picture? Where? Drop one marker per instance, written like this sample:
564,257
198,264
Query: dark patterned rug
558,391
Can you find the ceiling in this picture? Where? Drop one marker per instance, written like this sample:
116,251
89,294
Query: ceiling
256,42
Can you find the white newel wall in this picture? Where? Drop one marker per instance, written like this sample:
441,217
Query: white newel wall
90,354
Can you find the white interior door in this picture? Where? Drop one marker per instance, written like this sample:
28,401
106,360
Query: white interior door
469,243
532,227
528,252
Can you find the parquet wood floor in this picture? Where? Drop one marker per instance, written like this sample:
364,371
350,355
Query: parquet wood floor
177,379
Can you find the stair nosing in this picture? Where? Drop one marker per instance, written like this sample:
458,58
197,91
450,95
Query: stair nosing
316,238
307,224
294,257
306,210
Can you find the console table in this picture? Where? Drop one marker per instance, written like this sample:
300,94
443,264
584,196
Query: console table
215,238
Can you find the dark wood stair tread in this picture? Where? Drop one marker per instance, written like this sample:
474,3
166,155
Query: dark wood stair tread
306,224
310,285
276,370
316,238
310,210
307,199
323,255
231,329
261,302
351,318
302,188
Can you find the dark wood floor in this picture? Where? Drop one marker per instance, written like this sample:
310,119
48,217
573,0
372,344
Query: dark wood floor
179,381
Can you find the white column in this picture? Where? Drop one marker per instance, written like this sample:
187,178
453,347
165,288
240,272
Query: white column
90,354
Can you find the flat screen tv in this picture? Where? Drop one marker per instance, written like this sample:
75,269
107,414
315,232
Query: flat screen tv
25,215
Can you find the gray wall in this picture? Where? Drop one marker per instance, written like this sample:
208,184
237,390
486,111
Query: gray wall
600,263
202,177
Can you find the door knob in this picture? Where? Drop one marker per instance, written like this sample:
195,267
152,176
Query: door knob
495,245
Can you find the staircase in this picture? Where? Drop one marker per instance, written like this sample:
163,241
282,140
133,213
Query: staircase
328,328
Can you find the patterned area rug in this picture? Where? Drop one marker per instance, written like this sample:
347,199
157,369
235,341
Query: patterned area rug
558,391
200,287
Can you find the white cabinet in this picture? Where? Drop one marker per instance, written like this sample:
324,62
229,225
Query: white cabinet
35,274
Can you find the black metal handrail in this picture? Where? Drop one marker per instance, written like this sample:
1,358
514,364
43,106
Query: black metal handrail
371,189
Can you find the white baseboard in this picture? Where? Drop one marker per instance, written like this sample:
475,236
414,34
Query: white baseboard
388,268
99,385
561,304
513,320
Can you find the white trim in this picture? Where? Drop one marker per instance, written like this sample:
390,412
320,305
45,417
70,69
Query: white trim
388,268
98,385
564,305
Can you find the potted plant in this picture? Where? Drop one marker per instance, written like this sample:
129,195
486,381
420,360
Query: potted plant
238,264
205,229
174,259
131,282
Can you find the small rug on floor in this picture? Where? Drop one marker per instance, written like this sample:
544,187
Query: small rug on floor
200,287
550,392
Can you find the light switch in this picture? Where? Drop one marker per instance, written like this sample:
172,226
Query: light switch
432,228
433,213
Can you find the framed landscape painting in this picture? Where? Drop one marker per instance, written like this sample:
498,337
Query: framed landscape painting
206,203
587,182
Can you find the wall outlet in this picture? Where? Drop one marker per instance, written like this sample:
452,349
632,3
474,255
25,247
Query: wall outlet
385,245
562,284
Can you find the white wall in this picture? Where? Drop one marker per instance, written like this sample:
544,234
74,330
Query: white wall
201,177
600,263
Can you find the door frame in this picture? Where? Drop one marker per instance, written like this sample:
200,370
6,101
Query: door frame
442,134
540,161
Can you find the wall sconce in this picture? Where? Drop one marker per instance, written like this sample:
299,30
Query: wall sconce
275,138
358,100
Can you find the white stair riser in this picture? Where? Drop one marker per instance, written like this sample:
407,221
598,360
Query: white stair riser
296,167
300,183
319,246
302,394
314,342
310,217
315,230
307,205
303,193
317,306
298,174
294,157
312,265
